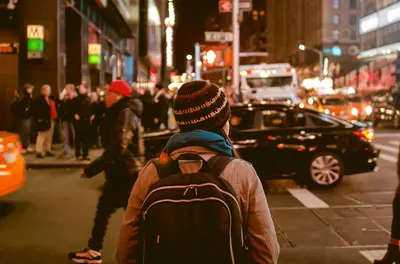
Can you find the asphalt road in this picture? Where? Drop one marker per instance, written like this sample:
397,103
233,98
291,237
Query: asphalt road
53,214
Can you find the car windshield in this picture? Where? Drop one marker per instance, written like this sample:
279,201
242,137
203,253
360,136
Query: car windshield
269,82
333,101
356,99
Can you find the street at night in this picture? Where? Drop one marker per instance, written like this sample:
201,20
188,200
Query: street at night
53,214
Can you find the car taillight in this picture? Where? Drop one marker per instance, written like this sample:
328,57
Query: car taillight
367,134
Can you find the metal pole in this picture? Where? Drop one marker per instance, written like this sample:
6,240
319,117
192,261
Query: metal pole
197,60
321,63
236,46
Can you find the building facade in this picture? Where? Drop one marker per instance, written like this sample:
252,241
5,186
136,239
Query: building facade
380,42
327,25
78,41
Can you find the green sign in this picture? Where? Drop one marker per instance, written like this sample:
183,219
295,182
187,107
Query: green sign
94,59
36,45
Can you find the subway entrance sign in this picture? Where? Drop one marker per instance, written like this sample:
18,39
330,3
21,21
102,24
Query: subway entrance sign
94,51
35,36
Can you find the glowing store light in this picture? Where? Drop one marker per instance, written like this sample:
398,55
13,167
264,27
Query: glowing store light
369,23
169,34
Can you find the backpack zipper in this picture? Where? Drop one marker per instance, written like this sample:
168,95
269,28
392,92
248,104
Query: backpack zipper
191,201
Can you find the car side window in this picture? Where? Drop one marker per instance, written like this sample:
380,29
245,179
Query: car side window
274,119
304,119
258,119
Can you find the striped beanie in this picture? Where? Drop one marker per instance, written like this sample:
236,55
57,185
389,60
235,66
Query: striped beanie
201,105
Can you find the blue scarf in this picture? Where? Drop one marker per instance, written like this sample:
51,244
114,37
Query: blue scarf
201,138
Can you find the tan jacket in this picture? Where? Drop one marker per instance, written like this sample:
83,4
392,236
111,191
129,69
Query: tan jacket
257,220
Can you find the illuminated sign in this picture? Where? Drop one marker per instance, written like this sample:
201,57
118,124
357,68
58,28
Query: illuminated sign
380,19
94,51
35,36
8,48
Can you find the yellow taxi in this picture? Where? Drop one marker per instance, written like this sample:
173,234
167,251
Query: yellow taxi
339,106
12,163
312,102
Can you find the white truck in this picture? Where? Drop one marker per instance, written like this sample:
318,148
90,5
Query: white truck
269,82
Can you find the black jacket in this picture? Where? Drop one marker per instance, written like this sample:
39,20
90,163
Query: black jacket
122,157
82,107
66,109
22,106
41,114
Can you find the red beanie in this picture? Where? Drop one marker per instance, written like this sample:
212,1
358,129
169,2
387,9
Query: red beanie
121,87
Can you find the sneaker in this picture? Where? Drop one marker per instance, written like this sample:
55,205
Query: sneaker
79,158
30,150
39,156
88,256
49,154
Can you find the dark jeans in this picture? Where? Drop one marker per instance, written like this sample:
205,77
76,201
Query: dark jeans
82,138
113,197
24,131
396,217
68,135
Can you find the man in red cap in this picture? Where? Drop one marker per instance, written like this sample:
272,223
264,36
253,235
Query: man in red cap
121,161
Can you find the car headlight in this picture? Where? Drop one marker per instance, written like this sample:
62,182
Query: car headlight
368,110
326,111
354,111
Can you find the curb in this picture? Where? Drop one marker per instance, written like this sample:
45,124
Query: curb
55,165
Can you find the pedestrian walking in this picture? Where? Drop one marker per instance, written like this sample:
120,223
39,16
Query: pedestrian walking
44,112
149,111
83,116
184,205
22,111
161,101
392,255
120,163
66,113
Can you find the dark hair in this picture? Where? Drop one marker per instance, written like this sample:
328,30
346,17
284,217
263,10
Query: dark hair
235,153
159,86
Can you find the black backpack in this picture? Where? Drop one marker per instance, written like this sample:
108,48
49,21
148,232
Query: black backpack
191,218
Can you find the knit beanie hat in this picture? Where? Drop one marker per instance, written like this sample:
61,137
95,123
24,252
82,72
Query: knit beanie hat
121,87
201,105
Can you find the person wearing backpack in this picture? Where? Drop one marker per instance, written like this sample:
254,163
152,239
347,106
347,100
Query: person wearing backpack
120,161
199,202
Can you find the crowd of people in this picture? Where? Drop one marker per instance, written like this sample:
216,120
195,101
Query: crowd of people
79,117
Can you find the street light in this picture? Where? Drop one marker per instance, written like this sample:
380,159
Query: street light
321,56
189,57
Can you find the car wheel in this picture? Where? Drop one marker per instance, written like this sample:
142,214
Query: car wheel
326,170
396,121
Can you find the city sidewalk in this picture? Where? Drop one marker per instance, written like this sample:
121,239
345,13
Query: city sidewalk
56,162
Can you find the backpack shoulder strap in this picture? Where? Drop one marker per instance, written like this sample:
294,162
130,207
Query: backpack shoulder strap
163,169
217,164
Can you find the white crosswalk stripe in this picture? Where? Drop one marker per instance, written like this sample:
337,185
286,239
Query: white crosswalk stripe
371,255
390,148
307,198
387,148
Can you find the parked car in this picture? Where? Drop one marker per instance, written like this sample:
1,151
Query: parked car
385,109
293,142
12,164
